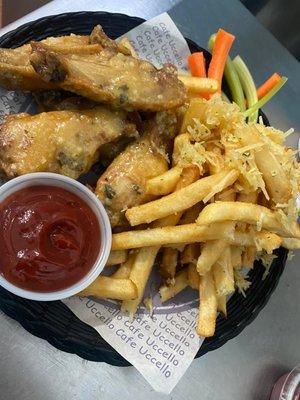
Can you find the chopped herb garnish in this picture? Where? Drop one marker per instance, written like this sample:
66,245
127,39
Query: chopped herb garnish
109,191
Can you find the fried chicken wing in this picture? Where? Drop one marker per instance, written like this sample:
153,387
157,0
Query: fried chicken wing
59,100
123,183
111,77
16,71
66,142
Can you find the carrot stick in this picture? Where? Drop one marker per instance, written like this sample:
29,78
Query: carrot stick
268,85
220,52
197,64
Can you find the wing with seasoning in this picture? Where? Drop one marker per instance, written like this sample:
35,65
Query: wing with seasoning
123,184
16,71
111,77
65,142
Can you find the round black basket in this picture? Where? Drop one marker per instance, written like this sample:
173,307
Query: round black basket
53,321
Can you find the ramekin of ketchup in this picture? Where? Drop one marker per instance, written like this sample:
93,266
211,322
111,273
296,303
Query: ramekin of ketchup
55,236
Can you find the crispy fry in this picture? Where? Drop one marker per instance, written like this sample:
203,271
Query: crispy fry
139,274
226,195
248,197
193,277
123,272
291,243
181,282
189,233
248,257
228,179
199,85
210,253
181,199
249,213
165,183
207,307
111,288
116,257
263,240
190,254
169,263
277,183
236,257
195,110
222,300
190,215
223,274
188,175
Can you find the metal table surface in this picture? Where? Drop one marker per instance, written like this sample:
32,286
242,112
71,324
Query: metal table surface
246,367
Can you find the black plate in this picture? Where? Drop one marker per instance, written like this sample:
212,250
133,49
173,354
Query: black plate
53,321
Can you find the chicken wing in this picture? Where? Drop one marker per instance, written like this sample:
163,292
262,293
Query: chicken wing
66,142
111,77
60,100
123,183
16,71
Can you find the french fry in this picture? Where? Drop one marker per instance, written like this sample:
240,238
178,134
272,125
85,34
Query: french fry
291,243
190,254
199,85
188,175
195,110
210,253
111,288
226,195
123,272
181,282
236,257
224,183
262,240
222,305
169,263
248,197
116,257
139,274
180,247
169,235
191,214
165,183
277,183
223,274
207,306
249,213
180,200
248,257
193,277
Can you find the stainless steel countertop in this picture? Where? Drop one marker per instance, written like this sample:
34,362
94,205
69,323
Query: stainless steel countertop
246,367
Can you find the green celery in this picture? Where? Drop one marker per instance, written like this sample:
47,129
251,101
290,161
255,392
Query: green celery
232,78
259,104
247,85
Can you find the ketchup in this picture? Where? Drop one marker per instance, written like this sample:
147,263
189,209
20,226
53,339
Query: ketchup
49,238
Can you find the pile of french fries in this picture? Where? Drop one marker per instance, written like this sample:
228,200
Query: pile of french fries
227,200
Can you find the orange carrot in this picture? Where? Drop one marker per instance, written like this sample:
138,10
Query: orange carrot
220,53
268,85
197,64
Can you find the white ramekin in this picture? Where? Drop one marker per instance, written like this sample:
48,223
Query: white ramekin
46,178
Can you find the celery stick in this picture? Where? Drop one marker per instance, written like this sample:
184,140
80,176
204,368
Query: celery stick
211,41
247,85
266,97
232,78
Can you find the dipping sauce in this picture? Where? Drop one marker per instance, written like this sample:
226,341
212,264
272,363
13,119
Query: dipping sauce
49,238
